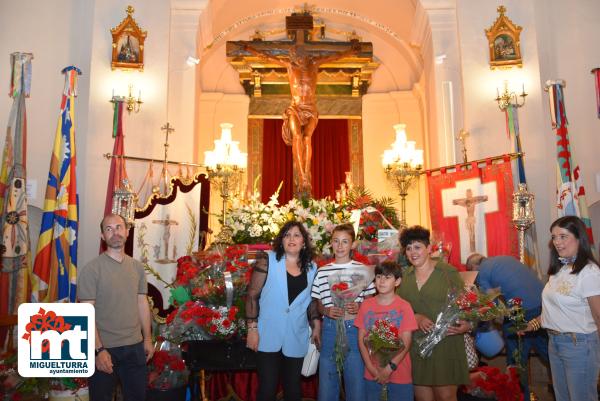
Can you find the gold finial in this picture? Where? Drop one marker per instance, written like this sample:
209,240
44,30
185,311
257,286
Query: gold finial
130,10
501,10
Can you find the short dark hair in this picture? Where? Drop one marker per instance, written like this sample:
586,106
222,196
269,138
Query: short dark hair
345,228
414,234
389,268
111,215
475,259
577,227
307,252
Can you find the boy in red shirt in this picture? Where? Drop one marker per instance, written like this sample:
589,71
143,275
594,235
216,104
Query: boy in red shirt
387,305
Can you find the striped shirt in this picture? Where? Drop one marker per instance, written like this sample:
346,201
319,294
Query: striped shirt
320,288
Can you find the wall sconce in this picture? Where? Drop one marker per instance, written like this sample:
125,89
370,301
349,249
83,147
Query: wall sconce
507,98
133,103
402,164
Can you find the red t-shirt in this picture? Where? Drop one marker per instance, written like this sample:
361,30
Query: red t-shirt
400,313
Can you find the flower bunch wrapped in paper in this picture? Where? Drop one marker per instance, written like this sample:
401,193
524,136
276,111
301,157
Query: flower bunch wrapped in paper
209,292
470,305
167,369
195,321
345,286
383,342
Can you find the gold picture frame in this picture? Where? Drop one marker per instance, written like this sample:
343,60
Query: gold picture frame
128,44
504,39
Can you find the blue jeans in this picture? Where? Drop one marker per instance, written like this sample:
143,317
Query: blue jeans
537,340
354,368
396,392
575,363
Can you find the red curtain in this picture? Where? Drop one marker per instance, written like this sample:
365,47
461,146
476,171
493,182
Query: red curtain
330,160
276,163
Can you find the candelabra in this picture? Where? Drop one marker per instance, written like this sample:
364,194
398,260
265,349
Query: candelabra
403,164
225,165
507,98
133,103
523,216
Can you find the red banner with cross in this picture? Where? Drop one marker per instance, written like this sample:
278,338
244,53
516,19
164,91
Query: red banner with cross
471,206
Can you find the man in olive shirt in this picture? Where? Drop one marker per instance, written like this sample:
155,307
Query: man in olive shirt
116,285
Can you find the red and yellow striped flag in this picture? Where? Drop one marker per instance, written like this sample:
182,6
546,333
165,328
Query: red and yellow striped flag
55,267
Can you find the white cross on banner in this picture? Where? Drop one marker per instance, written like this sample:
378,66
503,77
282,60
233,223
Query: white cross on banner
472,208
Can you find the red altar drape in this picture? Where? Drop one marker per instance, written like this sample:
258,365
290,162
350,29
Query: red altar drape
276,163
330,159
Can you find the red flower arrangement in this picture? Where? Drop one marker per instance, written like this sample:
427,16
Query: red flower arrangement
383,342
490,381
338,287
167,369
477,306
209,293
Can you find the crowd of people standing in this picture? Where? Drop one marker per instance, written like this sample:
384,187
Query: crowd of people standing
290,303
562,317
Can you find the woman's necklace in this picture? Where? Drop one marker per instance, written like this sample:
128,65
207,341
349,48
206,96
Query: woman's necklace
422,274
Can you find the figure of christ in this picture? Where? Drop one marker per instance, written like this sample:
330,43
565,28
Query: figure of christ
167,223
469,203
301,117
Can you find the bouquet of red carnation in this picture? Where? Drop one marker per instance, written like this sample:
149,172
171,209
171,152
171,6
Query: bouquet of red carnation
210,294
490,382
476,306
196,321
69,387
383,342
167,369
345,286
516,314
469,305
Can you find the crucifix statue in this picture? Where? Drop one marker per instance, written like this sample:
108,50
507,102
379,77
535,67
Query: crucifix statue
469,203
302,59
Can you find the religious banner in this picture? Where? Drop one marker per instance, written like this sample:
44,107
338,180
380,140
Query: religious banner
118,172
169,232
15,255
55,267
596,72
532,256
471,206
570,191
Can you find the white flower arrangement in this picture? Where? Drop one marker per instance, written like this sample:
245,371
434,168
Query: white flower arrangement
254,222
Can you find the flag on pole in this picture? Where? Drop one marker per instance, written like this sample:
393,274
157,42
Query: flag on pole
596,72
532,255
118,172
570,191
15,256
55,267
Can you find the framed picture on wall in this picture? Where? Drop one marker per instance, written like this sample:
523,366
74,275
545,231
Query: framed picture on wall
128,44
504,42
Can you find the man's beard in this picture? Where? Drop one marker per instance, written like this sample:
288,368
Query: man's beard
115,242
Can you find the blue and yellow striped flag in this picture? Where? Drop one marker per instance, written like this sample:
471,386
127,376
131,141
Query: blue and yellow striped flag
55,267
